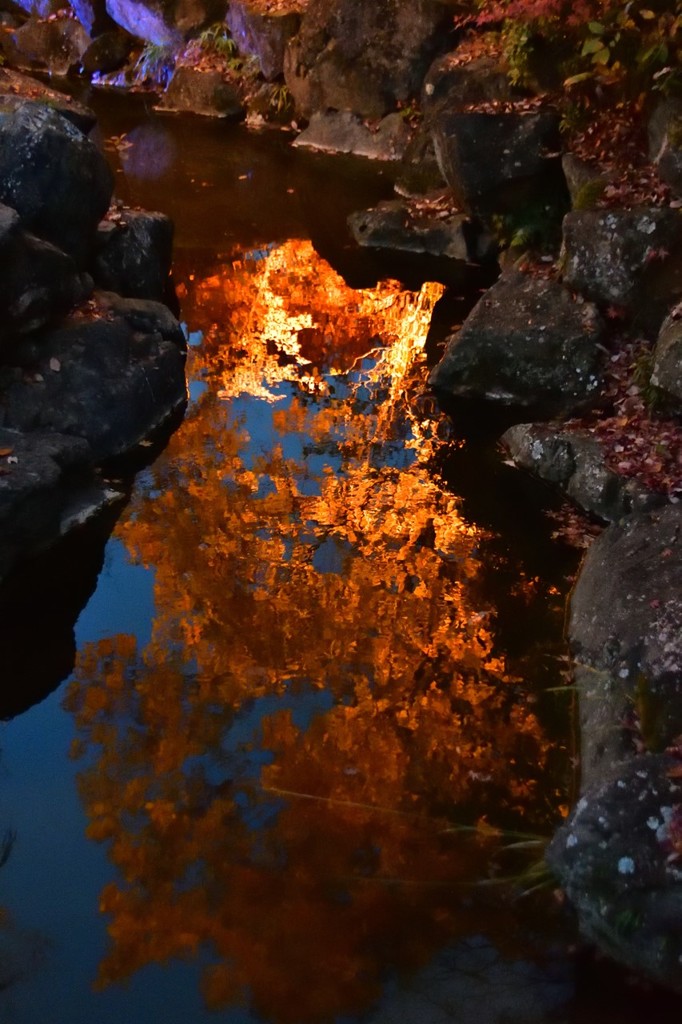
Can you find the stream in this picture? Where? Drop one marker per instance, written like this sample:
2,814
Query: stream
287,746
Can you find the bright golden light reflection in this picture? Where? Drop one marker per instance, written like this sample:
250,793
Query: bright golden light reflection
322,696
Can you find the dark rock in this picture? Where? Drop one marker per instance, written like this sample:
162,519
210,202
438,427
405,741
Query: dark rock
344,132
575,464
54,177
202,92
617,858
363,57
92,14
496,162
165,22
108,52
37,8
264,36
46,488
665,142
17,88
397,225
38,281
99,379
625,258
667,368
526,343
55,45
144,315
134,255
451,85
625,630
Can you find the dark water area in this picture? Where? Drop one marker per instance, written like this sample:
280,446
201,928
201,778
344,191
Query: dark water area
308,708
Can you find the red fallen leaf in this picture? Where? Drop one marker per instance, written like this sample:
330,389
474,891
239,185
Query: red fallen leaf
5,451
666,552
675,772
655,603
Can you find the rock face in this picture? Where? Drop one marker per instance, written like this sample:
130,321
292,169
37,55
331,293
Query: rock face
344,132
165,22
201,92
613,256
17,88
134,255
110,381
54,177
393,225
526,343
451,84
264,36
574,462
495,162
107,53
363,57
618,855
665,142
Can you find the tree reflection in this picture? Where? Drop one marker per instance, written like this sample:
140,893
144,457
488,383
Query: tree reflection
323,693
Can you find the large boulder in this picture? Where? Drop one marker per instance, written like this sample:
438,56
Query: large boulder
54,177
363,57
343,132
112,379
497,162
452,83
108,52
204,92
262,35
395,224
165,22
37,281
574,462
628,259
56,45
134,254
526,343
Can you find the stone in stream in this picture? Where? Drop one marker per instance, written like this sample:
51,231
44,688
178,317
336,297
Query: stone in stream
17,88
337,131
526,343
397,225
56,45
134,254
202,92
619,854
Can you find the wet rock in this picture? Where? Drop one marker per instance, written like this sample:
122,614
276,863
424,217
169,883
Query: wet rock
17,88
667,368
363,57
92,14
55,45
37,281
526,343
46,486
625,631
134,255
574,463
54,177
585,185
497,162
108,52
202,92
104,380
625,258
344,132
398,225
165,22
665,142
618,859
143,315
451,85
264,36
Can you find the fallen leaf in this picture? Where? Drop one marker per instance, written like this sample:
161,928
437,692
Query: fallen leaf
5,451
55,365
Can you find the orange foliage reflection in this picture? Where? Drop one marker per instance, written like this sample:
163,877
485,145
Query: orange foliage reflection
322,693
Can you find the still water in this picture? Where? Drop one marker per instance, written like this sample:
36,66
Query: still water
315,694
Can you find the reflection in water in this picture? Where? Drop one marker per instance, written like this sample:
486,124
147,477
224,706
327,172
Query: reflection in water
277,772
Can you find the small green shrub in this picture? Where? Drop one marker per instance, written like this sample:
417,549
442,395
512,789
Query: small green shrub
155,65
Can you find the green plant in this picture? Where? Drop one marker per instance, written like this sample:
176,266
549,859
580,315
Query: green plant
280,99
217,39
535,225
155,64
